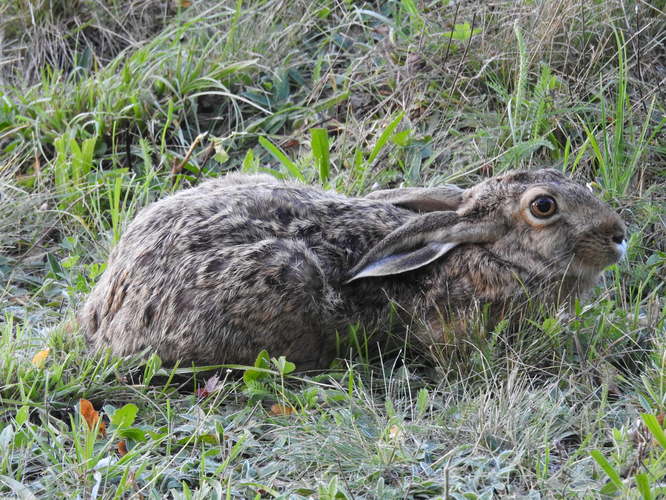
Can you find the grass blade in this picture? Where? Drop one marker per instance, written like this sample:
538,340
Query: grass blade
655,428
607,468
280,156
386,135
643,485
320,151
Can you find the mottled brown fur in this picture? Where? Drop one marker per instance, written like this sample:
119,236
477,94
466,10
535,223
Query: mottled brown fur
216,273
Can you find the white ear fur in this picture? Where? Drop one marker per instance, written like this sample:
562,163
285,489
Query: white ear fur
403,262
422,240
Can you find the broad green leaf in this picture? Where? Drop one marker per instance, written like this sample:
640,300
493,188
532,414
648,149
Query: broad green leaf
125,416
283,366
22,415
133,433
655,428
263,362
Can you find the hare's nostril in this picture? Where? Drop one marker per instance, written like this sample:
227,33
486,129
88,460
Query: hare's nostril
618,238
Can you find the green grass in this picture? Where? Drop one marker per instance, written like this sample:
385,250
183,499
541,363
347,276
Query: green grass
106,106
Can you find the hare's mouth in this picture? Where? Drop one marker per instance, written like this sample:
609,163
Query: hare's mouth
621,250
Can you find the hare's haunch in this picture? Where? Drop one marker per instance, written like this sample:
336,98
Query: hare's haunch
216,273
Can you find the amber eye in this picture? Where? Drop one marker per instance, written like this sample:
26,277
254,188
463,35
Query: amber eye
543,206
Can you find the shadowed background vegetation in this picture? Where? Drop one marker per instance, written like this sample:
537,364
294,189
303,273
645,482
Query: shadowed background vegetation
106,106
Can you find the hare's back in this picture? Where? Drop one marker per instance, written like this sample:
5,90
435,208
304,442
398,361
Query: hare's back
219,215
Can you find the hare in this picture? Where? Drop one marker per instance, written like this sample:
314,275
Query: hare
216,273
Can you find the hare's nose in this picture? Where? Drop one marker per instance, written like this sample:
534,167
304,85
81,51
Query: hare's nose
618,237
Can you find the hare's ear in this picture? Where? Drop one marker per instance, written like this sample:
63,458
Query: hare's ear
420,241
446,197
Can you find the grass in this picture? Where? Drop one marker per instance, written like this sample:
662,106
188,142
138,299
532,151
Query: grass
106,106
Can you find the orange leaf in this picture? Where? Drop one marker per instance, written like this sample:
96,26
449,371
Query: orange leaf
91,416
278,409
39,359
121,447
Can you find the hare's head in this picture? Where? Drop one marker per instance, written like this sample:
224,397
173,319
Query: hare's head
539,221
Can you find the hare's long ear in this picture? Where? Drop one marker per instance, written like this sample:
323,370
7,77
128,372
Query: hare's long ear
420,241
446,197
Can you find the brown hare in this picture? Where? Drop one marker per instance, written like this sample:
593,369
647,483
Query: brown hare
216,273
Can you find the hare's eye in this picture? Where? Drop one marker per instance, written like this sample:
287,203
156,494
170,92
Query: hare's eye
543,206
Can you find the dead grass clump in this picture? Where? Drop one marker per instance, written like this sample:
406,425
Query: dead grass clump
72,35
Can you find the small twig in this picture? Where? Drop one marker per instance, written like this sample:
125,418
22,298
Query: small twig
179,168
128,147
638,59
344,479
453,28
207,154
462,60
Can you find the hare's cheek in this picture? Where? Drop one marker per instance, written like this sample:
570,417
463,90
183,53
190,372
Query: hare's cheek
586,252
596,254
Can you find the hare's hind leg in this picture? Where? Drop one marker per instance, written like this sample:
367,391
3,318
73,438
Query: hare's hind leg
219,306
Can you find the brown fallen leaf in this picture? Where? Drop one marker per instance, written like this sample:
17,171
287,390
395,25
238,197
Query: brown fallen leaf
91,416
121,448
211,385
39,359
278,409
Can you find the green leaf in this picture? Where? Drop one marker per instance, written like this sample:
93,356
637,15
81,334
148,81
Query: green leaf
133,433
422,401
323,13
401,138
54,266
125,416
263,362
462,32
325,104
643,485
655,428
320,151
523,149
283,366
69,262
153,364
221,155
22,415
248,161
607,468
